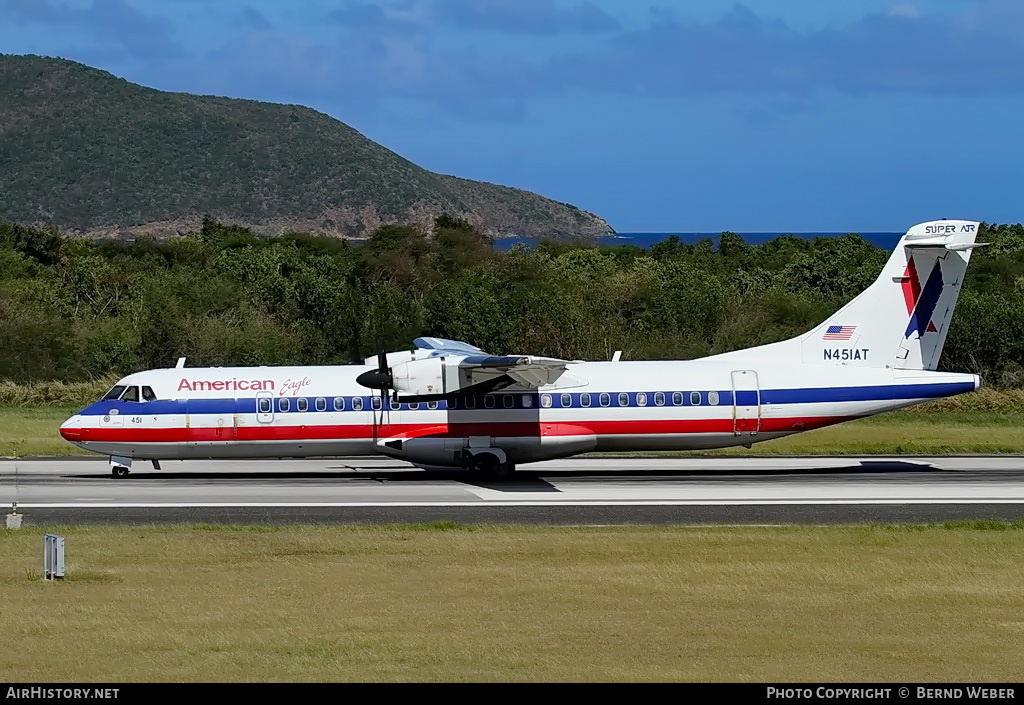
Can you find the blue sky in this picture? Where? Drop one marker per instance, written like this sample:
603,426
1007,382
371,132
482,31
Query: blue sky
703,115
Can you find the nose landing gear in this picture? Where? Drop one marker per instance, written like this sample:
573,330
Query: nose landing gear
120,466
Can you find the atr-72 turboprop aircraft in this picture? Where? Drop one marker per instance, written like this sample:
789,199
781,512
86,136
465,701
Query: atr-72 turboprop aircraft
448,404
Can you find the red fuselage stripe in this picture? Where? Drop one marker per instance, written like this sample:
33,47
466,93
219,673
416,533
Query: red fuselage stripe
453,430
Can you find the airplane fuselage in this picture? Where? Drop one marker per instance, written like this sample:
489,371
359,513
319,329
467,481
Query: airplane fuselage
295,412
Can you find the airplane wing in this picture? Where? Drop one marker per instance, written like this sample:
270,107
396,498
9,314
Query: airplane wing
438,367
526,370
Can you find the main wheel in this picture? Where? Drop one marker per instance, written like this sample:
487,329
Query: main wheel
119,471
488,465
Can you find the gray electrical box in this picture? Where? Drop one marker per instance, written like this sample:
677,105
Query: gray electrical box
53,557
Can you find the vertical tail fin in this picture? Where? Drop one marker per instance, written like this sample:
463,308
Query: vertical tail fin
902,319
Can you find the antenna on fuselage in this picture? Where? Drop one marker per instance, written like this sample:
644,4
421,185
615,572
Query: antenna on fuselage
181,362
616,356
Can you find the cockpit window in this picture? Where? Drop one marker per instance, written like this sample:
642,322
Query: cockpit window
147,394
115,392
131,394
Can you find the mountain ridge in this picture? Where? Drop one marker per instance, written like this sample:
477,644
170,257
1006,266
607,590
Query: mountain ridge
96,155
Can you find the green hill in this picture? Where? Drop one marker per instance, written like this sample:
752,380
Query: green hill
96,155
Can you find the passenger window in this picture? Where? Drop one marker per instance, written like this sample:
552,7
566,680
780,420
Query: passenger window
115,392
677,398
606,399
357,403
489,401
470,402
284,404
623,399
712,398
431,404
567,400
641,399
321,404
375,402
264,405
584,399
147,394
659,398
302,404
453,403
339,403
508,401
130,394
527,401
415,405
545,400
395,406
695,398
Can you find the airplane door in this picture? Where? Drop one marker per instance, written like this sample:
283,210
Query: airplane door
264,407
211,422
746,402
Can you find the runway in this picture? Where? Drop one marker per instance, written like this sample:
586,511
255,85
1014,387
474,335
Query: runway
587,490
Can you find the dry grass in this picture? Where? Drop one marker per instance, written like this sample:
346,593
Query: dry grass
54,393
983,401
448,603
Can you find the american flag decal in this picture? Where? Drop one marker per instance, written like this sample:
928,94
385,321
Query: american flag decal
839,333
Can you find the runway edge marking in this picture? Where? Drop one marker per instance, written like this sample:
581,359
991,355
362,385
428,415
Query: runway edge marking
515,503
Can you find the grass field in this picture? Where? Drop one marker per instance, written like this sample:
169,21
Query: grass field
449,603
32,430
29,431
902,433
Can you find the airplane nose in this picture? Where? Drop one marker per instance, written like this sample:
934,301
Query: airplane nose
71,430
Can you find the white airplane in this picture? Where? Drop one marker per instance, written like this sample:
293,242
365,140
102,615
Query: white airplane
448,404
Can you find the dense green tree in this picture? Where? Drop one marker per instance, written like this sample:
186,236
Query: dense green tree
73,308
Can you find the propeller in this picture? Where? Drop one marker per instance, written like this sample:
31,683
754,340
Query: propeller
379,378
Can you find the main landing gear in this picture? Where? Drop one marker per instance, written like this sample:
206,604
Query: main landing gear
119,471
490,465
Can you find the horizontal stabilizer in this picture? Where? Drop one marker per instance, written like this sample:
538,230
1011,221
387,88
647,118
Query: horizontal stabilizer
944,245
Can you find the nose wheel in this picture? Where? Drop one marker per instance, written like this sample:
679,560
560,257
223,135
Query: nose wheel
120,465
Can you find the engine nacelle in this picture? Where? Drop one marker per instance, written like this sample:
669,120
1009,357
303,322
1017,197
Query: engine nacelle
420,377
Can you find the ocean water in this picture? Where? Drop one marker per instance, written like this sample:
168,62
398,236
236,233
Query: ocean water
886,241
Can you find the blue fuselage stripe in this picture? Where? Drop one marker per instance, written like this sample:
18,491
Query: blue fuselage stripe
810,395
